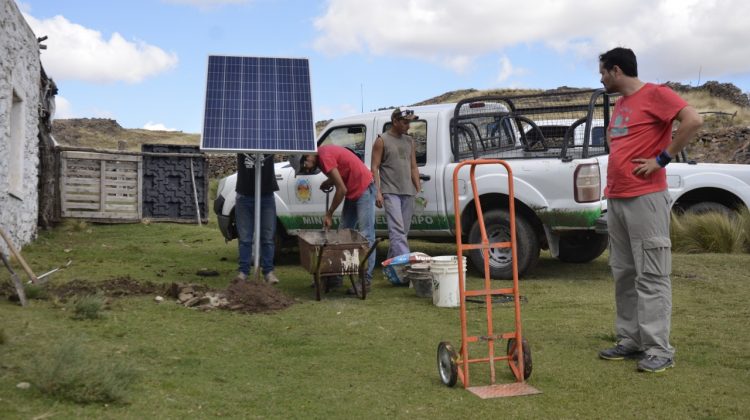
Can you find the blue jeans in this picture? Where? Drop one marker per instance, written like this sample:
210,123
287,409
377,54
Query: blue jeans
361,213
398,211
245,218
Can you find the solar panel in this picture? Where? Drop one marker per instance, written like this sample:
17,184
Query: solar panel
258,104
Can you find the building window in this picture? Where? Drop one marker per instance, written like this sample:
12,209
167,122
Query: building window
17,142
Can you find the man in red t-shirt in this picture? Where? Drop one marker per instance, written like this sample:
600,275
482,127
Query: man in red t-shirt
641,144
354,186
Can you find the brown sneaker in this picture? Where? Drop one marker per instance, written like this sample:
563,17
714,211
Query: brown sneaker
271,278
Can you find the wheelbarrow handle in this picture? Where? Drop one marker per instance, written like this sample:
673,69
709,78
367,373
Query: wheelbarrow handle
369,252
363,264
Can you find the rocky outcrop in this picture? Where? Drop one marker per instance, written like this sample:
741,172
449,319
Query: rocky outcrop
726,91
728,145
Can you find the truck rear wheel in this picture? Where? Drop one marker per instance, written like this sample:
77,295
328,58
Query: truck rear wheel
497,223
709,207
582,247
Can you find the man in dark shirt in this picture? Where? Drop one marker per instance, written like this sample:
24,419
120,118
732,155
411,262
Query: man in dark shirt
244,213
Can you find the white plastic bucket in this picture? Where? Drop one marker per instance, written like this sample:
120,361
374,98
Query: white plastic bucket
444,271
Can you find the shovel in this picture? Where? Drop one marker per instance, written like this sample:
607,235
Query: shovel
41,277
18,256
16,281
328,192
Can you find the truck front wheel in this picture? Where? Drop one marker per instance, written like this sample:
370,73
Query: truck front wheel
582,247
497,223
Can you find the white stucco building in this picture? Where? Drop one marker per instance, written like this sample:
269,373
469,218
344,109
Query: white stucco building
20,75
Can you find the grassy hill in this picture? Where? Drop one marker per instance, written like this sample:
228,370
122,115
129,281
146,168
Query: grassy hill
724,106
101,133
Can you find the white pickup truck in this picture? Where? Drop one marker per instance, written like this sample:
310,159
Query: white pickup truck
559,171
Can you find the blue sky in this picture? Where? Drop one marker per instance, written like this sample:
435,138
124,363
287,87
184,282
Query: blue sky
143,62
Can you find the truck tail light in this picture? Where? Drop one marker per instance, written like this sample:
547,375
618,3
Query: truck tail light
587,183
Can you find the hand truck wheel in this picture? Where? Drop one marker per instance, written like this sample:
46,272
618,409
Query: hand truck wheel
512,351
447,363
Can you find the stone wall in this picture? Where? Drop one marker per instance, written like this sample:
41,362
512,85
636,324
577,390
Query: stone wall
20,70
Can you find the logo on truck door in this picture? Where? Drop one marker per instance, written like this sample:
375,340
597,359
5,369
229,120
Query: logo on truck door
302,190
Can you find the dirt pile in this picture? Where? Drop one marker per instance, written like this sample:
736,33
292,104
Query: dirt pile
115,287
246,297
240,296
252,296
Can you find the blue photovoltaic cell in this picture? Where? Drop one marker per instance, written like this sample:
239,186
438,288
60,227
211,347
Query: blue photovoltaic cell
258,104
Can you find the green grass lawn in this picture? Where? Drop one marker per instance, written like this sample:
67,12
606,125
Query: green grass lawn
343,357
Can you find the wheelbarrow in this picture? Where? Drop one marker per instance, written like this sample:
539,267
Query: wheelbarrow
341,252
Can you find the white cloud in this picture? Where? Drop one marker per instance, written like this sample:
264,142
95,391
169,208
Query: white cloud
80,53
458,63
157,127
326,112
323,112
206,4
63,108
507,70
673,39
348,109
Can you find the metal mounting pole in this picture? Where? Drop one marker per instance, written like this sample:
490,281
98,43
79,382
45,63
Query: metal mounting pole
256,207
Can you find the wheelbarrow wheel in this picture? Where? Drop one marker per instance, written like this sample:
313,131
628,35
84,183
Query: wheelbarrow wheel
512,351
447,362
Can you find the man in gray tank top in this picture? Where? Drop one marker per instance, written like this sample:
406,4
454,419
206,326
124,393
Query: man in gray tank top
394,169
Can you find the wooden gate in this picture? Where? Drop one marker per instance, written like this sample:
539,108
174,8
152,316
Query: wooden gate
101,186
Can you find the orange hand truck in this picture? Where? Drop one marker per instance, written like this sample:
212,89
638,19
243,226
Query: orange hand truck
453,365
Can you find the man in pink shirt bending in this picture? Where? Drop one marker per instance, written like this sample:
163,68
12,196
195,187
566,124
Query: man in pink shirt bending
354,186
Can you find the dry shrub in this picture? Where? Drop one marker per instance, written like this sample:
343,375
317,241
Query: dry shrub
88,307
35,291
744,221
703,101
710,232
67,372
73,225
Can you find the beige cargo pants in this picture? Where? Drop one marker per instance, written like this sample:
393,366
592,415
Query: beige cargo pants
641,260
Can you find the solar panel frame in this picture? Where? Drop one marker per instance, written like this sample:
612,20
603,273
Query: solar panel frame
258,104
